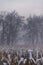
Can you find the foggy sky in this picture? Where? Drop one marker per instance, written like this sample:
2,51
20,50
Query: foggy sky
24,7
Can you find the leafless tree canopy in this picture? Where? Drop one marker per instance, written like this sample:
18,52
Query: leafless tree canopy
14,30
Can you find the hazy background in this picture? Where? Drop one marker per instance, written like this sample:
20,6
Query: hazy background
15,29
24,7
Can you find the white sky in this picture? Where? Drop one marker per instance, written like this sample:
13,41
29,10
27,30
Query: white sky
24,7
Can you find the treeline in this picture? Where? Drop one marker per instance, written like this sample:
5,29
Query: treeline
14,30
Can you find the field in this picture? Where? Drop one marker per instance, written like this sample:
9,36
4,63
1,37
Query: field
21,55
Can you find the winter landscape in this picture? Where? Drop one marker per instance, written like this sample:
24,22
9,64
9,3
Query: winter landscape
21,39
21,32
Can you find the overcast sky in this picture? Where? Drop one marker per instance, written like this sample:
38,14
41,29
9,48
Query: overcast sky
24,7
